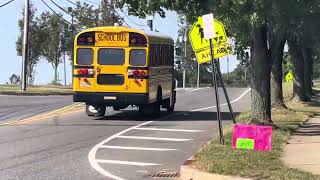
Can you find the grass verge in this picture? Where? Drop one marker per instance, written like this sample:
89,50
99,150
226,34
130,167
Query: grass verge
36,90
218,159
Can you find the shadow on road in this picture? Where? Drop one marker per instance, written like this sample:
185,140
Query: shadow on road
310,129
176,116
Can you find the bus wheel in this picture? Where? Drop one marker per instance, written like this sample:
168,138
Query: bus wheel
156,106
170,109
172,101
95,110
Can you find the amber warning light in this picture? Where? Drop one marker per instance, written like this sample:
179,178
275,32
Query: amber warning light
86,39
136,39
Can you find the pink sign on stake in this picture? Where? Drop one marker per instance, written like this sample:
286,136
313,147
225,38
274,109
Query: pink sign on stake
245,136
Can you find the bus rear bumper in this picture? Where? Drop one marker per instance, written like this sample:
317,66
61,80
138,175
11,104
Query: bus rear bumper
111,99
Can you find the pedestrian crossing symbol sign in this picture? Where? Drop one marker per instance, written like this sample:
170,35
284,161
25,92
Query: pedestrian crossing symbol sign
196,35
201,45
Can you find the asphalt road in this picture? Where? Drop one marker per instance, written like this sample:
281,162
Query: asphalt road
121,145
20,107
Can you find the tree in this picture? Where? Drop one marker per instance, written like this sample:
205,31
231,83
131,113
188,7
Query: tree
14,79
52,50
302,42
249,23
88,16
36,39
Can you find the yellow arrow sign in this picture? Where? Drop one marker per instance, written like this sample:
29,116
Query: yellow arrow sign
221,50
196,35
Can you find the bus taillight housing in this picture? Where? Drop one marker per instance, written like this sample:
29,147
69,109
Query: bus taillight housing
85,72
136,39
138,74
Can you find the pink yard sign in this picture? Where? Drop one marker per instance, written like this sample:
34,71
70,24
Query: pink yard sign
260,136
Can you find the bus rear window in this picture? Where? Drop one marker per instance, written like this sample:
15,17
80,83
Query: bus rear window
84,56
138,57
111,56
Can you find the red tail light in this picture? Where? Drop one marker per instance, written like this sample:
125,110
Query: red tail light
86,72
136,73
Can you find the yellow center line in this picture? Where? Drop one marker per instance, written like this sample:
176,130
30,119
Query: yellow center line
38,119
43,116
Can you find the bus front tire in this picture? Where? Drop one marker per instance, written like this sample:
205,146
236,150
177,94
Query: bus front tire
95,110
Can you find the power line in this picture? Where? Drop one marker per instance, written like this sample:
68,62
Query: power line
60,7
6,3
92,2
72,2
71,14
59,15
131,19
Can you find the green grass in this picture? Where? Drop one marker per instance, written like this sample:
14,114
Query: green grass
218,159
37,90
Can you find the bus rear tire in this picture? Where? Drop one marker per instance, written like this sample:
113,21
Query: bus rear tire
170,109
95,110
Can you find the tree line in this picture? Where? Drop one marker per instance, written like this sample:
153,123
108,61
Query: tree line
51,36
260,30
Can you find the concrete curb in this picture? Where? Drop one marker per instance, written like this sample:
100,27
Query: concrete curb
189,173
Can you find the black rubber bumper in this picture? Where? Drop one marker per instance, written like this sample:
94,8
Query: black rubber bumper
112,98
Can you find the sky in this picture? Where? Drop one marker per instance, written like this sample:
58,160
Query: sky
10,63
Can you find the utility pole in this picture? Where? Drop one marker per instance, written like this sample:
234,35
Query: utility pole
150,22
25,47
227,69
112,13
198,76
64,67
70,10
245,76
185,57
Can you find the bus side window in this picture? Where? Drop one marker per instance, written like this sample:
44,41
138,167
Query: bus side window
161,55
154,55
171,55
167,55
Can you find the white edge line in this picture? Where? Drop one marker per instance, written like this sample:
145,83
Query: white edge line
154,138
173,130
198,89
93,151
137,148
235,100
126,162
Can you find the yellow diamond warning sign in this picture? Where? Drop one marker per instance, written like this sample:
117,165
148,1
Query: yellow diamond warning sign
201,45
197,39
221,50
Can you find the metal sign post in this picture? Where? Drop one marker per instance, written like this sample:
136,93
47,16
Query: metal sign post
209,34
225,93
215,83
209,41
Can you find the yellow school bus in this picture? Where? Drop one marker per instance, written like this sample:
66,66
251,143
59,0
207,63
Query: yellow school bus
118,67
